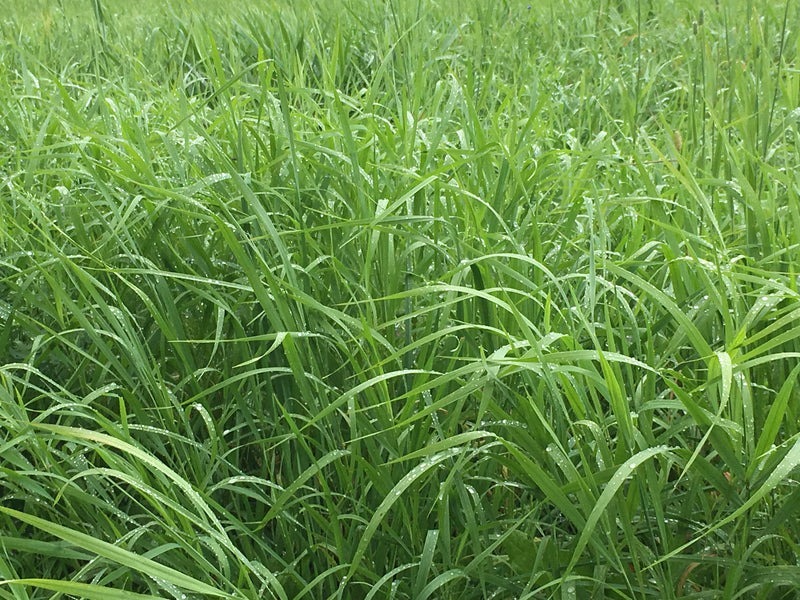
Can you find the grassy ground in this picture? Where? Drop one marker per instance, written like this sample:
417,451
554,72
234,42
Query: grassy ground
403,299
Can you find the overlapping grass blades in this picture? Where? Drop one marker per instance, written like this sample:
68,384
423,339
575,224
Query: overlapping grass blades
399,300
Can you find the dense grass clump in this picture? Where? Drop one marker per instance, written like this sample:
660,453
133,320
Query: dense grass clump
353,299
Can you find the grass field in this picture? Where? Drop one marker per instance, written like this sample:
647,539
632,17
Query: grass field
409,299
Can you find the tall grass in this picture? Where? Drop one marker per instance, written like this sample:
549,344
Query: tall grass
399,300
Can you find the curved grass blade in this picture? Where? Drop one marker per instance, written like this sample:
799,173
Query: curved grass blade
118,555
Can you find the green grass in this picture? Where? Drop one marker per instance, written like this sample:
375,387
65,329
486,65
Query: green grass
402,299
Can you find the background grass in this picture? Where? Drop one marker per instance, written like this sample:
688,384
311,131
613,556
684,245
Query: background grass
399,300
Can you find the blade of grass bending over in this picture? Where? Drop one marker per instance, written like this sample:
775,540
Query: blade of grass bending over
216,530
687,329
81,590
106,440
779,474
621,475
393,497
53,549
119,555
290,491
348,396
